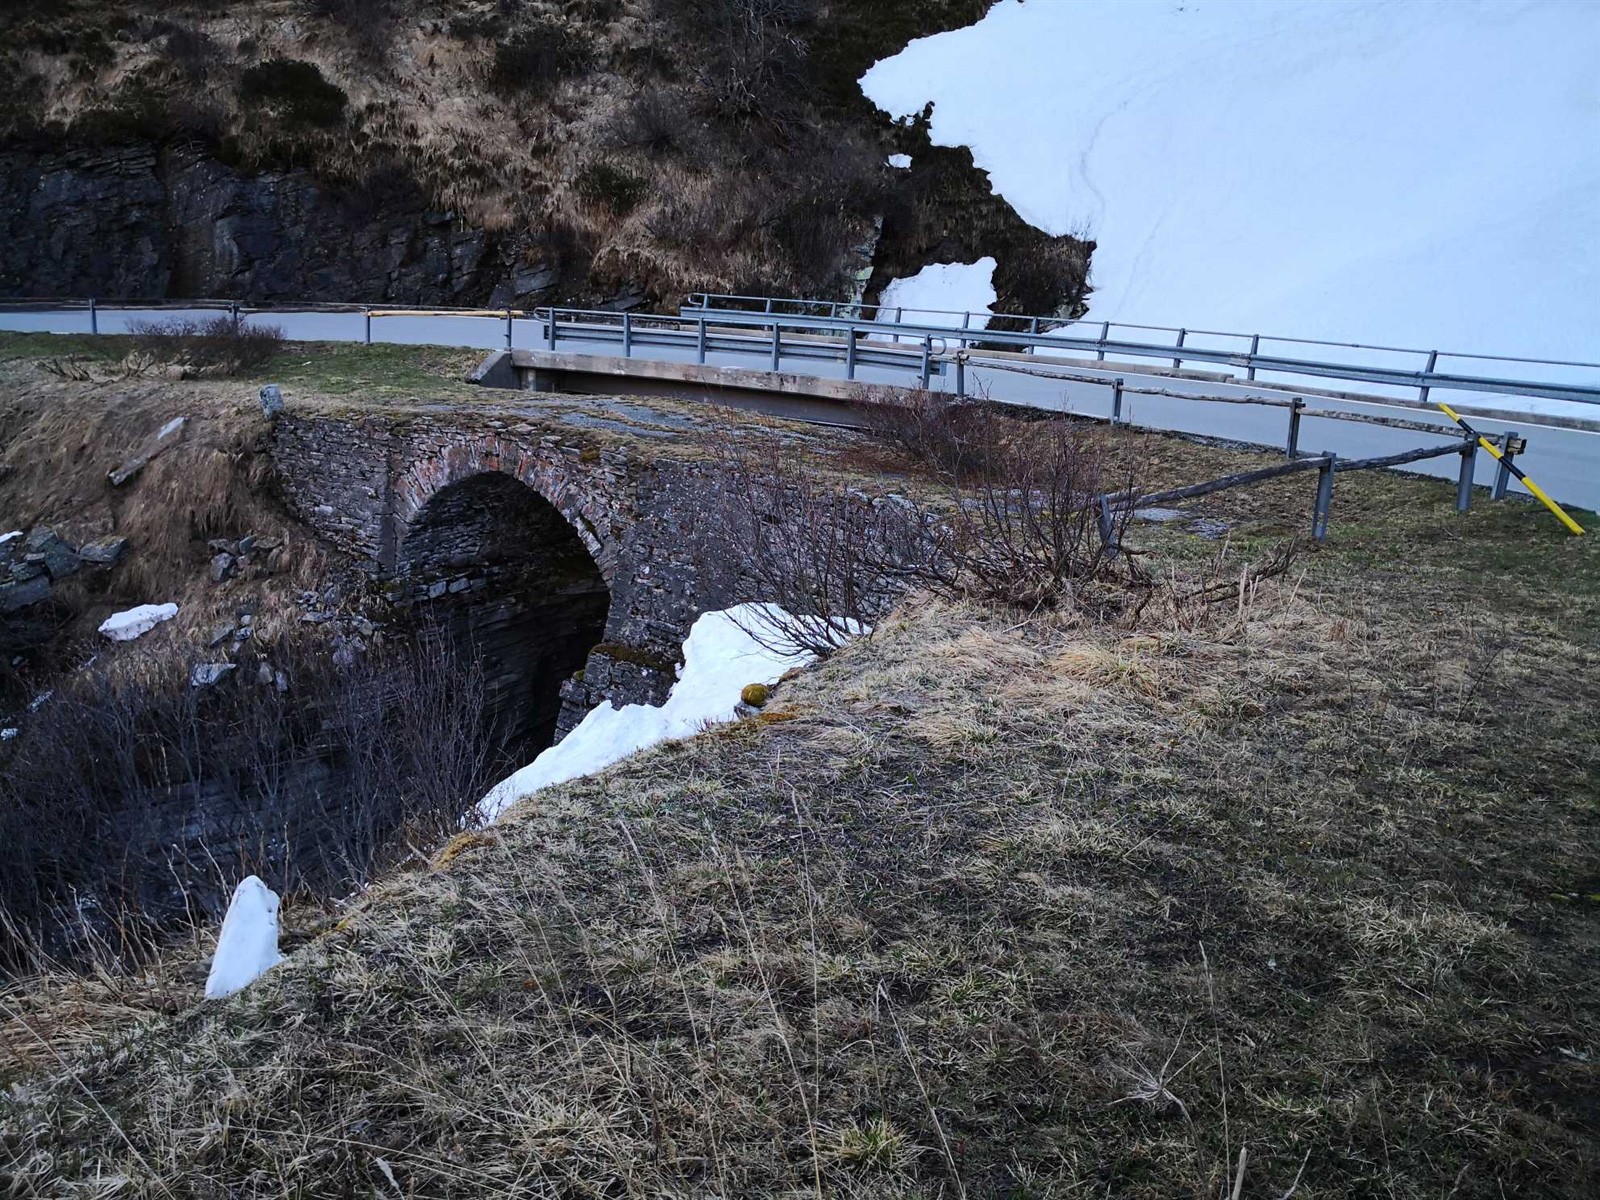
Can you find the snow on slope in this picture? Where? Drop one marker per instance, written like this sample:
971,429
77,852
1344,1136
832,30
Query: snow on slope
135,622
1422,173
247,948
719,659
944,287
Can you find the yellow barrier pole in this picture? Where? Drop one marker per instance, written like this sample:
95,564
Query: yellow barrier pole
1537,491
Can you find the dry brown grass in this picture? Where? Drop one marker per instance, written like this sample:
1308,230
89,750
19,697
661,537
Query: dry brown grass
1006,908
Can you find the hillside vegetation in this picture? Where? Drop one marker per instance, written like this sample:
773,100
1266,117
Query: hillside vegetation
637,148
993,904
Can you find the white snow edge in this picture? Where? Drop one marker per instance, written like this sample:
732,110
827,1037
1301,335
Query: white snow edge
719,660
136,622
247,948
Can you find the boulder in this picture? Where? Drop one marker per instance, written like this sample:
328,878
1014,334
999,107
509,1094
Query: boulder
271,400
46,548
221,567
20,593
103,552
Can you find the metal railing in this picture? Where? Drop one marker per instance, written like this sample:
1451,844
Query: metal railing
978,330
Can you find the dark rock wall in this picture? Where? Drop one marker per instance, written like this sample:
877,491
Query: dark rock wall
175,222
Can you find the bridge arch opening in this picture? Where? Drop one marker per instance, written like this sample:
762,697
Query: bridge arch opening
499,568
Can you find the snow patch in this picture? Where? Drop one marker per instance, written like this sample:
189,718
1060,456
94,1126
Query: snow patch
719,659
949,288
1424,173
136,622
7,734
10,537
248,945
901,161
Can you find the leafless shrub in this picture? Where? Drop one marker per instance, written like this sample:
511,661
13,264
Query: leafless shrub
752,61
797,537
1032,530
952,438
131,798
220,346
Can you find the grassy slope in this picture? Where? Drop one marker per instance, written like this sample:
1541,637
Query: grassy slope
986,907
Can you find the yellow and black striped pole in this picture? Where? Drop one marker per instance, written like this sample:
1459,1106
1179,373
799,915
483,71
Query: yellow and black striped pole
1537,491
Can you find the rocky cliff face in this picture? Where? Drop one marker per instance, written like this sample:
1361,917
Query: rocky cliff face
149,222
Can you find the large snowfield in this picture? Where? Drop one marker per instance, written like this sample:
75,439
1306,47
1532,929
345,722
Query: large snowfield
1417,173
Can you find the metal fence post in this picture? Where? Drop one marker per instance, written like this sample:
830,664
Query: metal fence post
1502,477
368,314
1293,449
1108,529
850,353
1255,345
1116,400
94,318
1105,332
1033,331
552,328
1178,362
508,329
961,374
1422,392
233,309
777,344
701,341
1469,464
627,335
1324,502
927,360
966,323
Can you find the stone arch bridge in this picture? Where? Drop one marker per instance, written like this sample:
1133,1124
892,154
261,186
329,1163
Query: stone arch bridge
556,534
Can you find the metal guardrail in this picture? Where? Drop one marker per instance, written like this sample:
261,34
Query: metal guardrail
1043,334
857,342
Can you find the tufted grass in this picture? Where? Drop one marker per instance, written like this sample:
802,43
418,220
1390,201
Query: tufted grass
988,906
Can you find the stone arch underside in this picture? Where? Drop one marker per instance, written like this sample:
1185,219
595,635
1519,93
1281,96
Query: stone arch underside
510,578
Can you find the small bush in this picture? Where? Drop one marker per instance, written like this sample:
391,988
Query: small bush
293,92
611,187
215,347
539,55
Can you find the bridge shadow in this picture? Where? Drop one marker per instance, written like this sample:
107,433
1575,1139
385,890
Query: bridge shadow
497,566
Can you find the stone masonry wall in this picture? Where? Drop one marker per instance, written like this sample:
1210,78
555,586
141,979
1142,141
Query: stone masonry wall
361,482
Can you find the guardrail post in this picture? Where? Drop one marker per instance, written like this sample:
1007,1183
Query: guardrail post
627,335
1116,401
850,353
508,329
961,374
1469,463
1292,450
701,341
1255,345
1324,501
552,329
927,360
1502,477
1178,362
233,311
1105,332
1108,528
769,304
899,315
94,318
1033,331
368,314
1422,392
777,344
966,323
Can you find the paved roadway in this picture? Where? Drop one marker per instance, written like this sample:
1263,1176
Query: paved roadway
1566,462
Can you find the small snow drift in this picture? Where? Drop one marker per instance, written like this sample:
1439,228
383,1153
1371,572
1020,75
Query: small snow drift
136,622
719,660
900,161
950,288
248,946
10,537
